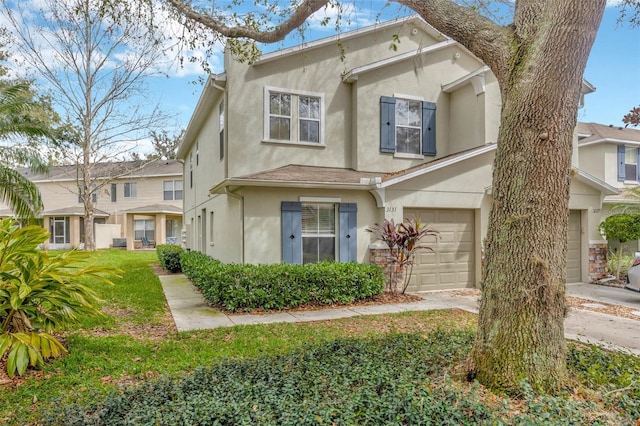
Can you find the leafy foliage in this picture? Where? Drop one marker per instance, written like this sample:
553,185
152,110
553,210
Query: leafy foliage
169,256
281,286
623,228
165,146
39,294
396,379
403,241
633,117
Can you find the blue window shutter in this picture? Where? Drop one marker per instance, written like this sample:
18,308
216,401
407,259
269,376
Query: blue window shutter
428,128
621,159
292,232
387,124
348,232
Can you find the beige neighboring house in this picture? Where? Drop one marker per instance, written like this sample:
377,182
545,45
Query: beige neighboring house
144,199
291,158
611,154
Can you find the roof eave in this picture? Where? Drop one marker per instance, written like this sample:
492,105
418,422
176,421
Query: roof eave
232,184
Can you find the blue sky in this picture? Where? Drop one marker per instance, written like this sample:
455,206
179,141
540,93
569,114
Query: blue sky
613,68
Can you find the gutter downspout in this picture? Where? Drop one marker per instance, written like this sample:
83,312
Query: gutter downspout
240,198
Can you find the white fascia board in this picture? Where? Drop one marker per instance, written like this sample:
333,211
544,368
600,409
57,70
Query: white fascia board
283,53
439,165
594,182
608,140
464,80
203,107
352,75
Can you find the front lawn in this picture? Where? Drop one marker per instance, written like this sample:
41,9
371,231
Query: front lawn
132,366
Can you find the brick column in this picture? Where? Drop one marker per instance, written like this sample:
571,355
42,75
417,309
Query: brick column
597,261
379,254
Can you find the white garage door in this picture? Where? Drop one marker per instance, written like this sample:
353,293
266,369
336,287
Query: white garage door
574,259
452,263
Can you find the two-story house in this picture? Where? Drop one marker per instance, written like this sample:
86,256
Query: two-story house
137,199
291,158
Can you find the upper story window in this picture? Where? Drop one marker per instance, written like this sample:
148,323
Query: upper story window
114,192
628,160
130,189
294,116
407,126
172,190
94,194
221,126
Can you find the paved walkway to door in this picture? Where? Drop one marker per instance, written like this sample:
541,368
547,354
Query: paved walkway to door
191,312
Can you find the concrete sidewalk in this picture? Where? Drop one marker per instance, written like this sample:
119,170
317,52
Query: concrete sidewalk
190,312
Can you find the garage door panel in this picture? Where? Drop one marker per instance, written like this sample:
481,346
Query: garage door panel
452,263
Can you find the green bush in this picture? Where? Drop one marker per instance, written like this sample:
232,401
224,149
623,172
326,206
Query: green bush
280,286
615,258
394,380
169,256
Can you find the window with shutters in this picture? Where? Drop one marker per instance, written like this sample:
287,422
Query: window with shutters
319,230
293,117
407,127
628,160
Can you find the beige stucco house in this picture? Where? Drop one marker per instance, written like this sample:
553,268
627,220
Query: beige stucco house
291,158
135,199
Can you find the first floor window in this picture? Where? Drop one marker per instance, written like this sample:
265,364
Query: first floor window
59,230
130,190
318,232
144,228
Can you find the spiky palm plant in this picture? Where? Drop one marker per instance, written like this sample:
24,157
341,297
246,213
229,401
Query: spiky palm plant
19,119
39,294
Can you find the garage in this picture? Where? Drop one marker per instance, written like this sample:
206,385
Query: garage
452,263
574,259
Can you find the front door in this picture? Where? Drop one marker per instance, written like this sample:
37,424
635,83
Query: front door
59,230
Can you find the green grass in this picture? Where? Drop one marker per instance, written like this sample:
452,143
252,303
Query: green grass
134,344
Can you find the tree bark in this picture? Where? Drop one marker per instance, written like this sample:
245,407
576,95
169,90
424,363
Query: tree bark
522,309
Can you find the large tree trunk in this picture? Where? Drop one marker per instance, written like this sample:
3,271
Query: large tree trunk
522,309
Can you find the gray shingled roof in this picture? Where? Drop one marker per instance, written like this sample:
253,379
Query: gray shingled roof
122,168
594,132
297,173
155,208
73,211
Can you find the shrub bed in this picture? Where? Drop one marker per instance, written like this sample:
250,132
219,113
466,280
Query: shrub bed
169,256
397,379
246,287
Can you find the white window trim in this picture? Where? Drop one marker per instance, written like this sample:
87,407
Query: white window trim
408,97
409,155
295,118
319,200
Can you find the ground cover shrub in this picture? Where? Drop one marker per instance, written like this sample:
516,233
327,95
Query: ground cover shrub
281,286
396,379
615,375
169,256
616,259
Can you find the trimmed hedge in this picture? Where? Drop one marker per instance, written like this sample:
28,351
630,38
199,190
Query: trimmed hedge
169,256
238,287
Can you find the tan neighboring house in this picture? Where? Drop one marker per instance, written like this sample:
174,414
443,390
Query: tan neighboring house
291,158
611,154
144,202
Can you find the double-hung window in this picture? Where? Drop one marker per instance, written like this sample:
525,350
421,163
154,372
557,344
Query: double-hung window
172,190
316,231
130,190
628,161
407,126
294,117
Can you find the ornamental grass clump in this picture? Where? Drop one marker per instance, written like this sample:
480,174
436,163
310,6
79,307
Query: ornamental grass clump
39,294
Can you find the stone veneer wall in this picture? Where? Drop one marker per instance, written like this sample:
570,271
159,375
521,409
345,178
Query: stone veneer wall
380,255
597,261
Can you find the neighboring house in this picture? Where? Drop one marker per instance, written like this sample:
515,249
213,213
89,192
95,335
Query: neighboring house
612,154
291,158
141,199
